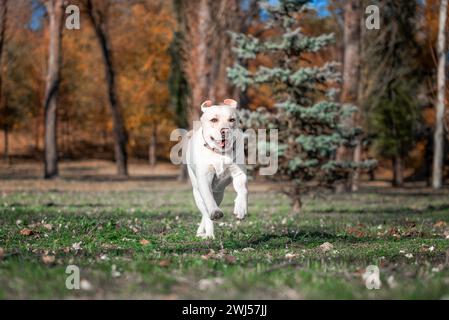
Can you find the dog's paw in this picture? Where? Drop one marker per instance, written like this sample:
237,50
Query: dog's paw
205,236
216,215
240,210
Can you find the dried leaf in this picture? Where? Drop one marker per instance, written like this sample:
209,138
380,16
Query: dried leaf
48,259
26,232
290,256
440,224
327,246
355,232
209,255
144,242
230,259
164,263
48,226
76,246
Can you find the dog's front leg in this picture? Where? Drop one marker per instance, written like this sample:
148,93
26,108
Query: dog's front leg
205,188
239,181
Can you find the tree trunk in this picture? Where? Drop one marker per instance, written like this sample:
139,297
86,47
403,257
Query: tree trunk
355,182
55,15
437,177
398,171
297,206
351,73
6,144
4,11
97,19
152,148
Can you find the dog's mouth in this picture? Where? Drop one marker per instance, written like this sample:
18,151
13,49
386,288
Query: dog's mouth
221,143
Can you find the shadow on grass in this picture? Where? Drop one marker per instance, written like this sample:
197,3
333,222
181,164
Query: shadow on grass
265,241
96,178
398,210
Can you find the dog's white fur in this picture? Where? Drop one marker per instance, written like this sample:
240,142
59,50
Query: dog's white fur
211,163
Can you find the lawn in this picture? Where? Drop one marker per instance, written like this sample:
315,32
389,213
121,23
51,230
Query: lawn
136,239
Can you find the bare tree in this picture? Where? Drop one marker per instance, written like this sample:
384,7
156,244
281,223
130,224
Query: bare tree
98,14
152,155
351,78
3,17
55,15
437,179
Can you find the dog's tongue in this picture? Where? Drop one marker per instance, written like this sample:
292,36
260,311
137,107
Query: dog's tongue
222,143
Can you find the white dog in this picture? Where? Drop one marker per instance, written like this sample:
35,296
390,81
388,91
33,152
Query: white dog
211,161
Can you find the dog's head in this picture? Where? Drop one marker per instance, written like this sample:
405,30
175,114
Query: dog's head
219,123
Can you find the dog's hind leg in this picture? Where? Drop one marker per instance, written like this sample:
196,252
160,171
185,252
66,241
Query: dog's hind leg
206,228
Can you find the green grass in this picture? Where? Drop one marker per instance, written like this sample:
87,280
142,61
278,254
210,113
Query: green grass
273,254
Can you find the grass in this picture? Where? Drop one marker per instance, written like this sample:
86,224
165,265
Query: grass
137,240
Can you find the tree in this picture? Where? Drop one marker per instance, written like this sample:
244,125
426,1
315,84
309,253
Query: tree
437,176
55,15
98,14
351,79
3,13
391,64
307,116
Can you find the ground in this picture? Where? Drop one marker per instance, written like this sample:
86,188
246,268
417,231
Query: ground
136,239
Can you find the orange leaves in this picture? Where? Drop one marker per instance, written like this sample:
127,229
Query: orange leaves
26,232
144,242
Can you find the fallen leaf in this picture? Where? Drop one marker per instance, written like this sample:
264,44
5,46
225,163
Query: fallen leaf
326,246
26,232
144,242
210,254
48,259
248,249
355,232
440,224
164,263
76,246
48,226
395,233
290,256
230,259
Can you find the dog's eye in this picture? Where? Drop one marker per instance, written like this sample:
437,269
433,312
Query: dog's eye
214,120
232,120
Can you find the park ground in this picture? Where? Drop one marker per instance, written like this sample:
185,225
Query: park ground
135,239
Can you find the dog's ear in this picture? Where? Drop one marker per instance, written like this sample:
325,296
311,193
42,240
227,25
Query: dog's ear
230,102
206,104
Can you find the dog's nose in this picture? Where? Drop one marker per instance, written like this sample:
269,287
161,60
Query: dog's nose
224,131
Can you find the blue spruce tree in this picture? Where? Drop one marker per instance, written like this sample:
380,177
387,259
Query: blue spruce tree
310,121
